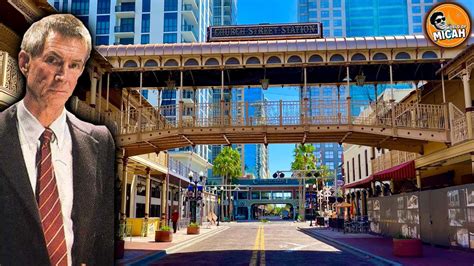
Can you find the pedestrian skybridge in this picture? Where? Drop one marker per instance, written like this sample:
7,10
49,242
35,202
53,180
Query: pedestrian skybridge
189,67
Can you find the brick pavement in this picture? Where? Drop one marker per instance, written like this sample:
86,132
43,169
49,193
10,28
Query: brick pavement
139,248
382,247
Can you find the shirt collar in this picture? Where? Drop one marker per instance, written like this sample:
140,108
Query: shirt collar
34,129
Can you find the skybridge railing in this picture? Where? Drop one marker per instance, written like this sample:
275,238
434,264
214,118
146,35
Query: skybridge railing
286,113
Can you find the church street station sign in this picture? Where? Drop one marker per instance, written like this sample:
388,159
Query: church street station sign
264,32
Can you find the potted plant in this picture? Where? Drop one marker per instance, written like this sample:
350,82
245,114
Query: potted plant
405,246
164,234
193,229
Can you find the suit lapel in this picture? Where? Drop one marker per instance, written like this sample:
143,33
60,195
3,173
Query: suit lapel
84,154
13,163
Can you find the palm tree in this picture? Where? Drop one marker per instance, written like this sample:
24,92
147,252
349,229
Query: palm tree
228,165
304,158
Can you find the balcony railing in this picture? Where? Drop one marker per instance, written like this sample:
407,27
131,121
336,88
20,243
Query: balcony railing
125,8
124,28
457,119
391,159
180,168
190,28
188,7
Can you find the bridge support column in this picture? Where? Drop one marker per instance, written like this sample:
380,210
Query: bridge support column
133,192
418,179
124,176
468,102
147,192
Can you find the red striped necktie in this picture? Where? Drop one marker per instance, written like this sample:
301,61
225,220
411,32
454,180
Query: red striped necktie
49,204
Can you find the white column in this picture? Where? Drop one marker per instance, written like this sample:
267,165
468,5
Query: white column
147,193
93,90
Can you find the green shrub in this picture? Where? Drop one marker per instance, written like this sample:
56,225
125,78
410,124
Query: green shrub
264,220
193,225
165,228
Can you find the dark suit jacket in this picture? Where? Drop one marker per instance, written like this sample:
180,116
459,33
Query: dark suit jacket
21,237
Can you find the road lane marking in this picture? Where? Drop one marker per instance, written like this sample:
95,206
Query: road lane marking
262,247
253,260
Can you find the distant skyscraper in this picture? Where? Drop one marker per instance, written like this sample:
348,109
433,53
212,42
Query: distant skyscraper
141,21
358,18
224,12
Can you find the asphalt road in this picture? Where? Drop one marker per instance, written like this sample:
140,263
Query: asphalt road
275,243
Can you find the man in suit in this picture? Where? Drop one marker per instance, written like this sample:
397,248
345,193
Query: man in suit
56,171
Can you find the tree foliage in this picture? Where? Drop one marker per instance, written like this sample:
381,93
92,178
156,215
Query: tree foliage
304,158
228,164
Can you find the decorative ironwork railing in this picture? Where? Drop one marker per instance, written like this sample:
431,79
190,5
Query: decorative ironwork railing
284,113
391,159
458,124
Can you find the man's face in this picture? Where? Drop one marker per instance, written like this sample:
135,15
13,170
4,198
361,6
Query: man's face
52,76
440,22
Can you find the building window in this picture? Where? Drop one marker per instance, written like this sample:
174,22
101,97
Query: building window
339,154
360,170
353,170
56,4
415,10
171,22
366,163
324,3
324,14
336,13
146,23
65,3
171,5
127,25
336,3
348,171
312,4
80,7
266,195
170,38
146,6
329,155
126,41
337,23
145,38
103,6
103,25
328,145
330,165
102,40
417,19
417,29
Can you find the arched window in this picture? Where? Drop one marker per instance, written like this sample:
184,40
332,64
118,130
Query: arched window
429,55
402,55
315,58
253,61
294,59
337,58
379,56
232,61
151,63
273,60
130,63
358,57
212,62
191,62
171,62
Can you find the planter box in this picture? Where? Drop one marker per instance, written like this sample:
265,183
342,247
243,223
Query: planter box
407,247
163,236
193,230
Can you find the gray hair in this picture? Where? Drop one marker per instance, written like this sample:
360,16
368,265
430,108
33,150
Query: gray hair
65,24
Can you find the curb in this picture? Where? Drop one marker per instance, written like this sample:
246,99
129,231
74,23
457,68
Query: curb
347,246
162,253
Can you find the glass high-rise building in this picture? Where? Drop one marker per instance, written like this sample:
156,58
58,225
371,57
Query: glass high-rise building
358,18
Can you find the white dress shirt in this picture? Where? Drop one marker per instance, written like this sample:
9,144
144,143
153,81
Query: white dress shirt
30,130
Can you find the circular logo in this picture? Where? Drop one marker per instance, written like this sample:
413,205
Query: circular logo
448,25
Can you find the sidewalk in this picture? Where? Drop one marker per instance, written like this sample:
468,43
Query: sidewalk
382,247
138,250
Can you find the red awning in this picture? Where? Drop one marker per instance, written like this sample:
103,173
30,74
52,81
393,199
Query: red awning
400,172
397,173
364,183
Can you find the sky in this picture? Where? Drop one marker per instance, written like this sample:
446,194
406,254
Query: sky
284,11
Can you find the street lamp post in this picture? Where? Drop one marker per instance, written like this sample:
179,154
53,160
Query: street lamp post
311,204
194,195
